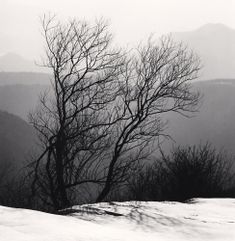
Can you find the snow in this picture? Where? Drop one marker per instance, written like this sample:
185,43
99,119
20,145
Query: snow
203,219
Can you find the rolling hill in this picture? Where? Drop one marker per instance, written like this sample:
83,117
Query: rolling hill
19,91
215,121
17,139
20,99
24,78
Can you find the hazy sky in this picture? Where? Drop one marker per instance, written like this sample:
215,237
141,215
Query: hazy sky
131,20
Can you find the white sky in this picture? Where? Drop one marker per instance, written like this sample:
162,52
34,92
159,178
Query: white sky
131,20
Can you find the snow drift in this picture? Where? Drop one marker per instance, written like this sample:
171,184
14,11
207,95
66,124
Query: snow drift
202,219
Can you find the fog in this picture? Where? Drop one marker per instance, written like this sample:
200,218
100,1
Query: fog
130,21
82,121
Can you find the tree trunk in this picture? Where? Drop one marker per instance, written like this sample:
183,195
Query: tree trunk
62,193
108,182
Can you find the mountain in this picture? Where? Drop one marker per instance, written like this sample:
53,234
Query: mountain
215,45
20,99
19,91
24,78
215,120
12,62
17,139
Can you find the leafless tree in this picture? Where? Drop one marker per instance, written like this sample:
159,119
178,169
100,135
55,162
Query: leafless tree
157,80
72,120
105,109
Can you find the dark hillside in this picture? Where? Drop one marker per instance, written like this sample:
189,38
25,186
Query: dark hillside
17,139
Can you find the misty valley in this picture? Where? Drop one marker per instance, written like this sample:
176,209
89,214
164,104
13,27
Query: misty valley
134,143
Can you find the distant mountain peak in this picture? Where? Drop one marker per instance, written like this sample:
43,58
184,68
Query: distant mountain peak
12,55
214,27
214,43
13,62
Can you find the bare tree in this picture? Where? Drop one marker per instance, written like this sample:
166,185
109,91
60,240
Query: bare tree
157,80
105,109
72,121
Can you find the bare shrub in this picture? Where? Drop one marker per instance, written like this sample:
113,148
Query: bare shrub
187,173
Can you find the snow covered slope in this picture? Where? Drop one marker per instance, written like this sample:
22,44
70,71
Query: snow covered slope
204,219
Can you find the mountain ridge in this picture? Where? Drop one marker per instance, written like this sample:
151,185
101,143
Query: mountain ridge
13,62
215,45
17,139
